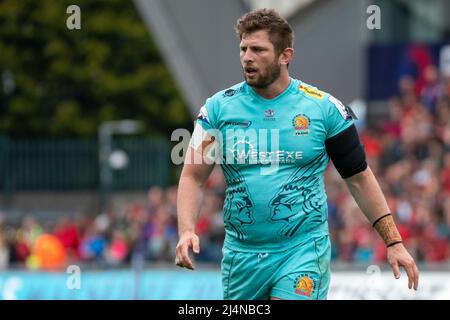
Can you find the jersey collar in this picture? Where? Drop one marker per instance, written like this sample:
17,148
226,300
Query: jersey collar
280,96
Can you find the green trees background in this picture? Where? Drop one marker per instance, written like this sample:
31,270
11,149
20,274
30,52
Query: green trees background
56,82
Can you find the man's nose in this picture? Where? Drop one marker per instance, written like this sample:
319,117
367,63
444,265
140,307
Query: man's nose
247,56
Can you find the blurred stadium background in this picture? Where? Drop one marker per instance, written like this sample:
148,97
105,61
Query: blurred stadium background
81,186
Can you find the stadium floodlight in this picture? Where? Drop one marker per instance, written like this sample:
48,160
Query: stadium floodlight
118,160
105,134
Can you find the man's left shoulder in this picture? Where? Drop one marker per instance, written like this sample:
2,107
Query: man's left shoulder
312,92
326,100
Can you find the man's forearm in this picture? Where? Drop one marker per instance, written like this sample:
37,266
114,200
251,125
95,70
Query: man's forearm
368,195
370,199
190,195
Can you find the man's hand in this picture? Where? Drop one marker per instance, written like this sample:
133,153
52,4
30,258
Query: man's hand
398,256
187,240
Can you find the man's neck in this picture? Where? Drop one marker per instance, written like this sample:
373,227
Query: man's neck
276,88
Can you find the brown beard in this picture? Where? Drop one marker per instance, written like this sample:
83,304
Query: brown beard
271,75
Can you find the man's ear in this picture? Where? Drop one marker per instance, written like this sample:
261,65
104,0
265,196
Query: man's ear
286,56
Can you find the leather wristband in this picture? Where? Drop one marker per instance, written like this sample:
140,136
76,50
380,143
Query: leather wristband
393,243
387,229
380,218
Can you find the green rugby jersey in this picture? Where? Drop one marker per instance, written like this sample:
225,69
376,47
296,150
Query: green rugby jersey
273,157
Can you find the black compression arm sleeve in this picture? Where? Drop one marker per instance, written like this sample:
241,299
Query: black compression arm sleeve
346,152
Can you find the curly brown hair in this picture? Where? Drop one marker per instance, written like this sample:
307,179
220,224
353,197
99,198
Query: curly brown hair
280,32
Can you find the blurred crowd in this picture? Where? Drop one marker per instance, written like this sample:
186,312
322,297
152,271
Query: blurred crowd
140,232
408,151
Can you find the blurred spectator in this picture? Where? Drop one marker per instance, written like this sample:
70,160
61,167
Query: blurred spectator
161,235
432,88
155,199
392,127
93,244
117,250
69,235
29,231
48,253
4,251
4,247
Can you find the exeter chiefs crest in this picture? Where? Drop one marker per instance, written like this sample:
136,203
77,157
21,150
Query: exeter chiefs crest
301,124
304,285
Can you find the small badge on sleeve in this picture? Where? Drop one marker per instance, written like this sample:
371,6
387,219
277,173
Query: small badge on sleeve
345,111
203,115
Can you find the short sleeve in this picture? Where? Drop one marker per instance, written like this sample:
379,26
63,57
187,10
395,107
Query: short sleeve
338,117
206,117
205,132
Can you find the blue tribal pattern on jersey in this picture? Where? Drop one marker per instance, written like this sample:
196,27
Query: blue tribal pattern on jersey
298,189
238,201
273,157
